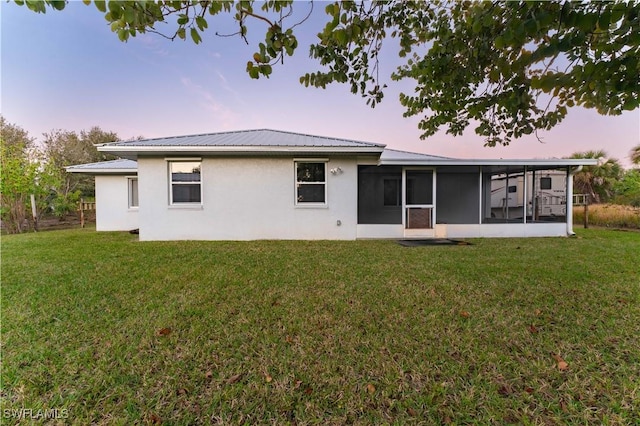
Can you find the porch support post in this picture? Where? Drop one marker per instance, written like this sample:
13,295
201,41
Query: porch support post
481,203
433,199
534,204
506,194
524,195
569,202
403,186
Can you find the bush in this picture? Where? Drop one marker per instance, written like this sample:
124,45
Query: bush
628,188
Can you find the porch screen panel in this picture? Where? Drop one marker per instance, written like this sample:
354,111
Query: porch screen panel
379,195
503,195
546,196
419,187
458,196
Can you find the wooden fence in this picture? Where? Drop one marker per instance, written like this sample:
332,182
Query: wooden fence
85,206
583,200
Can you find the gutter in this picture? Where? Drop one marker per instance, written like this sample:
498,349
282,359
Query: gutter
490,162
102,171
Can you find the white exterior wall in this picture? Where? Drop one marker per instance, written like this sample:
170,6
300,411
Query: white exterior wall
489,230
380,231
247,199
507,230
112,204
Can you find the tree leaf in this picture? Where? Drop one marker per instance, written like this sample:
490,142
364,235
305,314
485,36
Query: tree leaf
58,4
101,5
182,19
123,34
563,405
164,332
234,379
115,9
195,36
561,363
202,23
266,70
129,15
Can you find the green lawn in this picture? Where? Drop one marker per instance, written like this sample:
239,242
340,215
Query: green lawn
110,330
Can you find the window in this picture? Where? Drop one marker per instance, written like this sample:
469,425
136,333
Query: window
185,183
513,189
133,192
311,182
545,183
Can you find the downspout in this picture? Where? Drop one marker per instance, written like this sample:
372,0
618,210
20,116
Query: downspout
569,201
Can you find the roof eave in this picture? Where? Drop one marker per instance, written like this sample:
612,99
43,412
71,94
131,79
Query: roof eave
130,151
491,162
102,171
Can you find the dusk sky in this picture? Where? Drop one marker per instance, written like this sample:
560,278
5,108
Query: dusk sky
67,70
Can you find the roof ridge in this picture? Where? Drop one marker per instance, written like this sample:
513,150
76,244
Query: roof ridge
324,137
181,136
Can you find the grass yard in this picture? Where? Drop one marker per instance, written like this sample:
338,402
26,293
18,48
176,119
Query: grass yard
108,330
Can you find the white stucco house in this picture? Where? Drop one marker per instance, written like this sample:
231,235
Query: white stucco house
116,193
267,184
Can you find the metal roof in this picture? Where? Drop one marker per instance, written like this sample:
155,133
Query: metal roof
240,142
401,158
118,166
277,142
552,162
396,155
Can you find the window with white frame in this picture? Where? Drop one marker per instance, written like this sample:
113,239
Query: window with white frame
133,192
311,182
185,182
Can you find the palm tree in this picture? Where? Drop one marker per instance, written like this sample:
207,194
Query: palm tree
635,154
598,180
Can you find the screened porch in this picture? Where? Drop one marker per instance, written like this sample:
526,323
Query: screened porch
422,201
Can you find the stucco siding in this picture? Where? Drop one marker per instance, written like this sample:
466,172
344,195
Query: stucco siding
112,204
247,199
507,230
